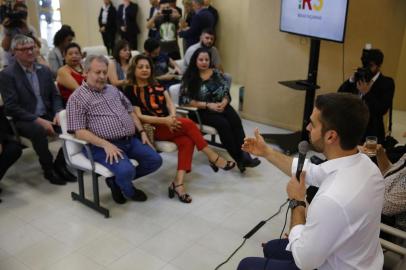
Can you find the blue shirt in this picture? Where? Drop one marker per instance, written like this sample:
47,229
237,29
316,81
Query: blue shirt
32,78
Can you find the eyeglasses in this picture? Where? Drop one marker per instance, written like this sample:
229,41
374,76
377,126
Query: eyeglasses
25,49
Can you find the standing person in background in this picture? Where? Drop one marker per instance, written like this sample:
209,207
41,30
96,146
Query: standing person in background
207,4
186,19
202,19
118,66
127,21
154,9
375,89
13,26
107,23
166,21
62,39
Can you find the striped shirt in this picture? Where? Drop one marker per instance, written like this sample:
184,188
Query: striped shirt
105,113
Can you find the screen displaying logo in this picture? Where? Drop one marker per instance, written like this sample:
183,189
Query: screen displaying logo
316,5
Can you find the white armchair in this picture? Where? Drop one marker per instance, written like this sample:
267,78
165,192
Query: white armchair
394,248
73,152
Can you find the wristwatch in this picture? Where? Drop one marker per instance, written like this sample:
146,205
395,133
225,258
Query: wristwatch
295,203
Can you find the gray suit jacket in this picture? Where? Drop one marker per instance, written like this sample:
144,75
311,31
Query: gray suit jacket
19,98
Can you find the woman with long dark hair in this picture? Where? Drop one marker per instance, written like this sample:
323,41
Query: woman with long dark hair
206,88
153,105
119,64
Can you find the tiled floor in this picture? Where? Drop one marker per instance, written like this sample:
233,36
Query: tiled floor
41,228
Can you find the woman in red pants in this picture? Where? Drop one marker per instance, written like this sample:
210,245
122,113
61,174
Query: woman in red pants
153,105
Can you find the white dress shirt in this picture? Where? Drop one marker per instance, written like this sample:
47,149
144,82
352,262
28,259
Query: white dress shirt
342,224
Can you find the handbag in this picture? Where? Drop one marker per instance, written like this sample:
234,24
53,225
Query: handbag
150,131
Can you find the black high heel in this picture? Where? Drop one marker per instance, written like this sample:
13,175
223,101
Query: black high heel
229,165
185,198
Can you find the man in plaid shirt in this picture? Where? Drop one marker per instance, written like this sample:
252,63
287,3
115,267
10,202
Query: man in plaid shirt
101,115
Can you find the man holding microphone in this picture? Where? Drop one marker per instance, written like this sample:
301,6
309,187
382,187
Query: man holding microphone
340,229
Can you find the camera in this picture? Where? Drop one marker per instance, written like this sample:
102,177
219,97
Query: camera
166,14
363,74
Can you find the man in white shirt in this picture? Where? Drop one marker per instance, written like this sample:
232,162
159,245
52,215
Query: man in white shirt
341,227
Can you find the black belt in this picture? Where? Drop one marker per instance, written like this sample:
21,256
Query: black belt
125,138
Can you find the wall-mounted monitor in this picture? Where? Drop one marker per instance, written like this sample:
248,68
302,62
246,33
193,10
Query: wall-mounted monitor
322,19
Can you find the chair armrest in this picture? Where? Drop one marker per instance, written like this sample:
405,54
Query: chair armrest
187,108
392,246
193,110
181,111
393,231
69,137
14,128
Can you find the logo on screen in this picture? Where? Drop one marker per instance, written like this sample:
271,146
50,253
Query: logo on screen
316,5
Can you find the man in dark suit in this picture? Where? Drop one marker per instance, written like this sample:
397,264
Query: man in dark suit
127,21
377,93
31,98
107,23
202,19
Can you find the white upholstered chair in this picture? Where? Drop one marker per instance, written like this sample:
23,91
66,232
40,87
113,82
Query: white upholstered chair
73,152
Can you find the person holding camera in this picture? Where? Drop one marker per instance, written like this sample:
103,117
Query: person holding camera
375,89
15,22
166,21
127,22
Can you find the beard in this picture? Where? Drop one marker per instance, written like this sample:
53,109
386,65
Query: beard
206,47
317,145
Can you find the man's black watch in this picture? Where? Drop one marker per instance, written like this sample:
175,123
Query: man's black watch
294,203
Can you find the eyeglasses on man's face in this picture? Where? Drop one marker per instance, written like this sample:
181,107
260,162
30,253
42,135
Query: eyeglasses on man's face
25,49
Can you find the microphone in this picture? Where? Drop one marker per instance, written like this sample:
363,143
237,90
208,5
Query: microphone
303,147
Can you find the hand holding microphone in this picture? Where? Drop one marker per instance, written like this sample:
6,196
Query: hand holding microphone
296,187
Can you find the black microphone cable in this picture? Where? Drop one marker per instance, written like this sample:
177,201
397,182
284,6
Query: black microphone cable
252,232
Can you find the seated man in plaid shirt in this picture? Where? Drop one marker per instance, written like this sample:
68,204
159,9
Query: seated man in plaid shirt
101,115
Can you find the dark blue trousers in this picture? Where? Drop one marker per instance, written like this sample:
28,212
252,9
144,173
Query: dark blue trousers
276,257
124,171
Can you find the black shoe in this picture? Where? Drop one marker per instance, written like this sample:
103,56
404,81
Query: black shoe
139,195
64,173
241,166
229,164
115,191
251,163
54,178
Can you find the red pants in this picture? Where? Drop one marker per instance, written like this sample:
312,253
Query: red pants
186,138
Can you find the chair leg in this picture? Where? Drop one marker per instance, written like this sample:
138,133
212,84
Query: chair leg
213,142
95,204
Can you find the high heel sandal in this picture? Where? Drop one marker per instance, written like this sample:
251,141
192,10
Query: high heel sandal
229,165
185,198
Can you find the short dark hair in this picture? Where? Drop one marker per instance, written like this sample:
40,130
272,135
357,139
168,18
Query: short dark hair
121,44
63,33
151,44
344,113
209,31
164,2
375,56
72,45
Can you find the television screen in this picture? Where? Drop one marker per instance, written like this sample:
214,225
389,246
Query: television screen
323,19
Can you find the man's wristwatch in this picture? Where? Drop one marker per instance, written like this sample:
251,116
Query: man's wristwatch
295,203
